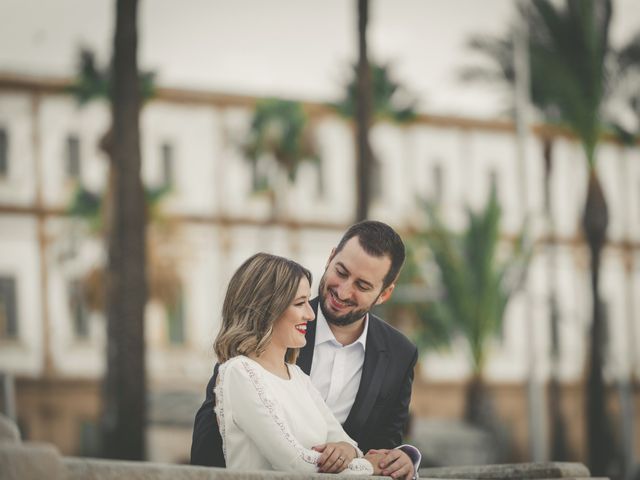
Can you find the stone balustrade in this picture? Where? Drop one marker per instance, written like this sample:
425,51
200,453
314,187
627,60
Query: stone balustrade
36,461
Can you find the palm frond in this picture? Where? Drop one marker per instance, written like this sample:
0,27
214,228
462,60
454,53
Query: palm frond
280,128
391,101
475,285
87,206
94,83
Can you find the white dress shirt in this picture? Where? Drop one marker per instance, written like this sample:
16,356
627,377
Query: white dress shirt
336,369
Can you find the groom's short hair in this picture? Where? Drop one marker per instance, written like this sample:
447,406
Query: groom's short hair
378,239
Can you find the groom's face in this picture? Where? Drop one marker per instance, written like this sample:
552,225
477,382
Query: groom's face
352,284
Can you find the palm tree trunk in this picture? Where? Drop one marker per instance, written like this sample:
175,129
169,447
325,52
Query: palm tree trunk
595,221
363,116
478,408
124,418
559,449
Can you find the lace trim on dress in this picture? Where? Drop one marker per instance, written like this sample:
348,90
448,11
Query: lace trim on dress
361,465
218,408
308,456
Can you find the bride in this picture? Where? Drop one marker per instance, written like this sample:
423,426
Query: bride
270,415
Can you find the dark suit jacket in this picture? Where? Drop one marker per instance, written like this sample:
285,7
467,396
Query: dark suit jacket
379,412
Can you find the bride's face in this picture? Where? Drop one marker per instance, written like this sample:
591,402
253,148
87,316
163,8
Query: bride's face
290,328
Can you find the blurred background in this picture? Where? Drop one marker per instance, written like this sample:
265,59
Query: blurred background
500,138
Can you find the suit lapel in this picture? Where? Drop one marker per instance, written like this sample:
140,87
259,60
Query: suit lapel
305,357
373,370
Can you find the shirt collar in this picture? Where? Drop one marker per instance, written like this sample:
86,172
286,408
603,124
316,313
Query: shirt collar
324,333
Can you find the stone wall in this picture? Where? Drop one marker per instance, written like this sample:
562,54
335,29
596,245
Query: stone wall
34,461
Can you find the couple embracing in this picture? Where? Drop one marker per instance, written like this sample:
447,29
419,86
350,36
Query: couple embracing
311,385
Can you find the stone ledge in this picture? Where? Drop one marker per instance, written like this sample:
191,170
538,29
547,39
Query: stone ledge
33,461
513,471
96,469
30,461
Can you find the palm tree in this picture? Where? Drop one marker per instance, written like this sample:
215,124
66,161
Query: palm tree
476,288
574,70
363,116
122,290
124,417
469,289
501,52
279,140
390,101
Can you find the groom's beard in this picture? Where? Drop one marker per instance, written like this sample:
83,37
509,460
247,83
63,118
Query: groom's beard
340,320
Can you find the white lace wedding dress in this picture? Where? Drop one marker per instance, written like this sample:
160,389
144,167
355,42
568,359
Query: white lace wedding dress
269,423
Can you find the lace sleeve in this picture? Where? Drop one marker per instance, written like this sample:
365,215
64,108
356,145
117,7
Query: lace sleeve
255,411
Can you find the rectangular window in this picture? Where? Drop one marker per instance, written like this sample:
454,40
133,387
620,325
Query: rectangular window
4,153
8,308
78,309
321,180
437,183
375,180
167,164
494,183
73,157
175,322
259,174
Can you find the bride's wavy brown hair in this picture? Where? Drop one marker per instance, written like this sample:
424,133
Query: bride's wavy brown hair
258,294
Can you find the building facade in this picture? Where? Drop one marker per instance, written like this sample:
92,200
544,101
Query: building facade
52,342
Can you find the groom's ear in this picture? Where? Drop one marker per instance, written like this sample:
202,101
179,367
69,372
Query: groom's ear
386,294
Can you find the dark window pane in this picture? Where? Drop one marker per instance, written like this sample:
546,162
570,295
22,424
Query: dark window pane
73,157
4,153
375,180
494,182
167,160
8,308
78,309
175,320
321,179
259,174
437,183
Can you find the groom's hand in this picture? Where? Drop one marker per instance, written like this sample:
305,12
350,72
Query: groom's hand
335,456
395,463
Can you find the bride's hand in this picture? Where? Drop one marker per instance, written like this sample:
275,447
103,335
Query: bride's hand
335,456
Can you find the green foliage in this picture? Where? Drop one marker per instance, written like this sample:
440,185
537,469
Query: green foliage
93,83
280,128
574,69
474,284
88,206
569,48
390,100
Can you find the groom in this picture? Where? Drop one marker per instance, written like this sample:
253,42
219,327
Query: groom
362,367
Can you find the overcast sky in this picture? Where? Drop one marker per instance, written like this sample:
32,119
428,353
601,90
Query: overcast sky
292,48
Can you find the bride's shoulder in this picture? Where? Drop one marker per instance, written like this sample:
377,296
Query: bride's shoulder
239,363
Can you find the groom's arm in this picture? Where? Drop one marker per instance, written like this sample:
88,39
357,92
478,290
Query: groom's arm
393,420
405,457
